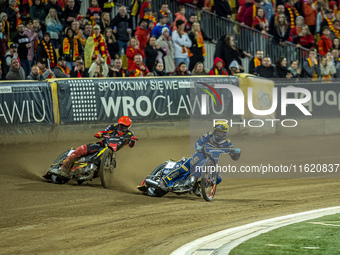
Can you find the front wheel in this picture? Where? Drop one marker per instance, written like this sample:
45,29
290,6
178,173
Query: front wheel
209,184
153,192
60,160
106,169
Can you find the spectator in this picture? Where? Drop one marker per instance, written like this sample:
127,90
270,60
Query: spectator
82,22
14,17
336,62
37,29
250,14
336,43
325,43
79,71
335,30
310,11
16,72
310,67
305,38
328,21
106,5
231,52
242,9
181,69
279,10
234,68
54,27
192,20
32,36
181,44
266,69
3,42
78,34
146,4
166,13
327,68
71,12
94,12
149,17
134,10
320,18
291,13
197,49
37,11
218,68
167,45
5,24
36,76
116,70
281,68
105,22
199,69
142,34
120,25
87,31
268,9
222,8
95,46
157,30
61,70
54,4
333,6
255,61
159,70
46,50
102,71
71,48
132,51
42,64
260,23
138,69
152,51
294,32
294,69
12,53
281,31
24,45
179,15
111,42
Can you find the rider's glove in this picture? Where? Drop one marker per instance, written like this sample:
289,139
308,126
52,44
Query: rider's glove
132,142
236,154
133,138
98,135
199,148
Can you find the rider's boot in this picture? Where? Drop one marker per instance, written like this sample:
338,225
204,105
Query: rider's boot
197,191
65,168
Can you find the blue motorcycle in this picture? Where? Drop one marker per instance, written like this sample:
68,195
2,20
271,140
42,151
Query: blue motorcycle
204,176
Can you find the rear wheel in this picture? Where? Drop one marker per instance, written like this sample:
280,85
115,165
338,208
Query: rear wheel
153,192
106,169
209,183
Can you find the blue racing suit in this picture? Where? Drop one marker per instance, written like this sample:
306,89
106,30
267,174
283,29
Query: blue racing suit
183,171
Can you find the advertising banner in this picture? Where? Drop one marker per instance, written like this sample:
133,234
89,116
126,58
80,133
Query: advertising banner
25,103
103,100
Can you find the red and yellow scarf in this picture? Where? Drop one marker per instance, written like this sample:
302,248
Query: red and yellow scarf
18,21
327,78
66,47
50,76
4,24
223,71
66,70
50,54
291,15
315,76
165,14
152,18
330,24
263,22
200,43
257,62
99,41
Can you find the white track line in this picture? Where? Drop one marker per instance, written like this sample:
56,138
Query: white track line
224,241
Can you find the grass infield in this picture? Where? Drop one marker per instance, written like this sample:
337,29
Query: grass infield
318,236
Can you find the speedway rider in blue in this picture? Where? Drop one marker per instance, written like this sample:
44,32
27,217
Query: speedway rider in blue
218,138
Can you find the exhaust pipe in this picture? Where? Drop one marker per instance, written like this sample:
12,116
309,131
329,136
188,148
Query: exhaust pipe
152,183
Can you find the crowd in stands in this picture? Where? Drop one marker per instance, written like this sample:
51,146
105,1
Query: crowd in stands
43,39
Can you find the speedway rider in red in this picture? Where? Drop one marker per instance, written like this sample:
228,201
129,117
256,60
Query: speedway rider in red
120,129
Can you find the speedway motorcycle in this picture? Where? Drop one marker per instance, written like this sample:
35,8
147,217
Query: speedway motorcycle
99,164
205,179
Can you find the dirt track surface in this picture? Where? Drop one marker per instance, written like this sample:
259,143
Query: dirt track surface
38,217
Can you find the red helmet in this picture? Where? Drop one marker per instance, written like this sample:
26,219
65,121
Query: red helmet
124,124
